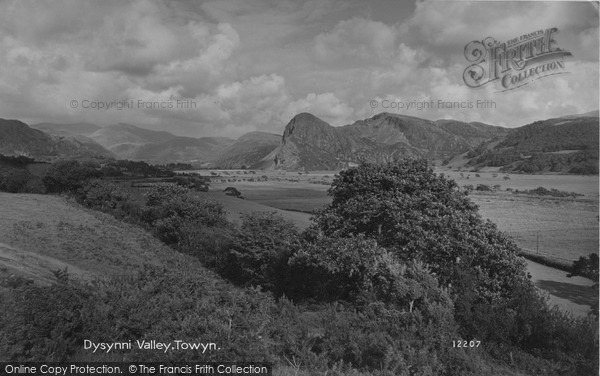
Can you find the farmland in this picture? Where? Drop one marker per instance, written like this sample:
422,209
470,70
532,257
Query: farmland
561,227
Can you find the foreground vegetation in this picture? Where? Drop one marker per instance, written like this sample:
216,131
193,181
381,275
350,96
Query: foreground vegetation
395,270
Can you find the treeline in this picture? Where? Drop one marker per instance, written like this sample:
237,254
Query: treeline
69,174
394,270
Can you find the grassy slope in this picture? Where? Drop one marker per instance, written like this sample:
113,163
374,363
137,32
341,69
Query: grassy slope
93,242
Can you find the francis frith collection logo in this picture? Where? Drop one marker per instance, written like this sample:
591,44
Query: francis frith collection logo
514,63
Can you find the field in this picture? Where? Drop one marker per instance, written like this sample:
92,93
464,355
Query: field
561,228
566,228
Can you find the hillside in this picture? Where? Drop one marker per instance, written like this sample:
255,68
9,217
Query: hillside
127,141
560,145
82,129
177,149
567,144
247,150
17,138
310,143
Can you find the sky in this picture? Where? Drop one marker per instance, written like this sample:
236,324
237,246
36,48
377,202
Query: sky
227,67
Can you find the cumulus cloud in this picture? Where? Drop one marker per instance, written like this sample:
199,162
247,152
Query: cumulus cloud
326,106
359,39
253,64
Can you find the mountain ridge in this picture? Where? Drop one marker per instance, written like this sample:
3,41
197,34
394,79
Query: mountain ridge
309,143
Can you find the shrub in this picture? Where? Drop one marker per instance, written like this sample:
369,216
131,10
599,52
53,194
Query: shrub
102,195
357,269
14,180
586,266
173,210
46,323
260,250
68,176
231,191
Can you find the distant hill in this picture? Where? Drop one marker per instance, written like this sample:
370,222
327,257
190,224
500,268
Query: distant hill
182,149
17,138
247,150
127,141
310,143
82,129
567,144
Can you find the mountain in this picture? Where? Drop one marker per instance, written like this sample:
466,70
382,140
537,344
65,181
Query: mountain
113,135
567,144
81,129
182,149
310,143
558,145
17,138
247,150
473,133
127,141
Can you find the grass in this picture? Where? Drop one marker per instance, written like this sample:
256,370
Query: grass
90,241
564,228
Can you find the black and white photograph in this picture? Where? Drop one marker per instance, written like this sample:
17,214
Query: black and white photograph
299,187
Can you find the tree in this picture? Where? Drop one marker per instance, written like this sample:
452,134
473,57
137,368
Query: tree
13,180
68,176
416,215
231,191
260,251
586,267
173,211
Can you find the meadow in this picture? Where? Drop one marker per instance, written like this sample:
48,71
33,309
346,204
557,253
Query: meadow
565,228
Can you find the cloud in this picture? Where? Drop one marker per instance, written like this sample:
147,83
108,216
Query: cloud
254,64
325,106
358,39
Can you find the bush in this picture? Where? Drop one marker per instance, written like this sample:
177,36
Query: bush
46,323
260,250
586,266
14,180
172,211
103,195
231,191
357,269
68,176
